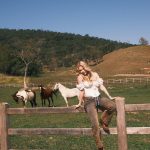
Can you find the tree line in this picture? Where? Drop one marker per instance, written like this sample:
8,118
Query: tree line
51,50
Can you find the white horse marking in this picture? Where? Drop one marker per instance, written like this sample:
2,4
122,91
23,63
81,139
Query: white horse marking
25,96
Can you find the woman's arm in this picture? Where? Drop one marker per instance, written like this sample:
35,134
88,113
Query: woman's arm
102,88
80,86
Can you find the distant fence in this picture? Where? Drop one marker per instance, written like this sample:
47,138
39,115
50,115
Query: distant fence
121,130
108,82
128,80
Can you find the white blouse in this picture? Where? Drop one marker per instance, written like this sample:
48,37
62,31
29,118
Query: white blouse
90,87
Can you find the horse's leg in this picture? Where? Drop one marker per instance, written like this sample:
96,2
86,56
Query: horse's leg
44,101
55,94
24,104
34,100
49,103
52,101
34,104
31,103
66,100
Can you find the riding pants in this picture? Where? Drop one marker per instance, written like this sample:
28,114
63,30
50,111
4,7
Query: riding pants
107,107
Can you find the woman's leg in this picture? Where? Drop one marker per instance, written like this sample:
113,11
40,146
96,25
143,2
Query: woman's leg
108,107
93,115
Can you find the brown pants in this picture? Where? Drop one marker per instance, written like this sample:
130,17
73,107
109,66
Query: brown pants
107,107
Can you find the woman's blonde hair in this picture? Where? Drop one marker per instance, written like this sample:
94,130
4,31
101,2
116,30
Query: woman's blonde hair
85,67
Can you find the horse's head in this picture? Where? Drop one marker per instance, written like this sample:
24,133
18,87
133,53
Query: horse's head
40,86
17,96
56,87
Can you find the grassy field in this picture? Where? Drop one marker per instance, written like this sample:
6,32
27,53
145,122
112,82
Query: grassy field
60,75
135,142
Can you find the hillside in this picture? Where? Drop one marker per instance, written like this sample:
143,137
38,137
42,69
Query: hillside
128,60
122,61
52,50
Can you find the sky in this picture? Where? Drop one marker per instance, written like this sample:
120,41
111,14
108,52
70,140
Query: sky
118,20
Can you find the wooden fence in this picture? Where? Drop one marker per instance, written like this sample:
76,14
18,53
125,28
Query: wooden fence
121,129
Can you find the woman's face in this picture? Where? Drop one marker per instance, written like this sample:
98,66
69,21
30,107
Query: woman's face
81,70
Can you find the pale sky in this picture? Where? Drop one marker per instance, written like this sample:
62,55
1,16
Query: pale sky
119,20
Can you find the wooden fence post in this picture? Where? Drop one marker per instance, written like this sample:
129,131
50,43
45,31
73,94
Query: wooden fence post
0,120
121,124
4,126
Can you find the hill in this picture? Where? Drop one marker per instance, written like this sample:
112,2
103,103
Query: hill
53,50
124,61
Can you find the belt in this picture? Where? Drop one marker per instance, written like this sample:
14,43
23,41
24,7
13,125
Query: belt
95,100
91,98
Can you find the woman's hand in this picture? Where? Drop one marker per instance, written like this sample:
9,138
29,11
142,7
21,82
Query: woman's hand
77,106
111,98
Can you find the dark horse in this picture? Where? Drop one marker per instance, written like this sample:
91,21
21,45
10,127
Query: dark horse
25,96
47,93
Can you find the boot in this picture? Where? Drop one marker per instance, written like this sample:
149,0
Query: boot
105,127
104,122
100,148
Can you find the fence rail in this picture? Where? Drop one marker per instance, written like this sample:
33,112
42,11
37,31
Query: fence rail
121,129
72,131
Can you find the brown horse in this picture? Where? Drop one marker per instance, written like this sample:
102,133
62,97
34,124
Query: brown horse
47,93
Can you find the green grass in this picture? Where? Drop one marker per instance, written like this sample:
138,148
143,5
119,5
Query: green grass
61,142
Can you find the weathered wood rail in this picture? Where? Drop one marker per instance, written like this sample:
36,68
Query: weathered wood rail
121,129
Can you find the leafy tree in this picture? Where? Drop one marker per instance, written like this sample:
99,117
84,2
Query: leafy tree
143,41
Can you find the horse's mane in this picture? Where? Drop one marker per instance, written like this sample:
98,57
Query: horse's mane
62,85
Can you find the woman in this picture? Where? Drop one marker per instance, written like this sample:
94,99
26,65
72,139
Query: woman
89,82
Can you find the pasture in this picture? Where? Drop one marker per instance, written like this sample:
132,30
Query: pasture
135,142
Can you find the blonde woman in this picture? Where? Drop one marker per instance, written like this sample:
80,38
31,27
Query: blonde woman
89,82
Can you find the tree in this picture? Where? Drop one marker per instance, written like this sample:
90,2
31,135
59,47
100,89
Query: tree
28,57
143,41
57,49
52,60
